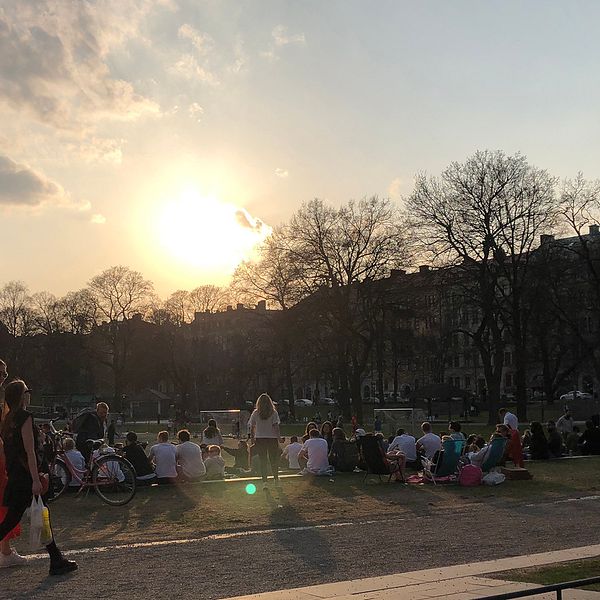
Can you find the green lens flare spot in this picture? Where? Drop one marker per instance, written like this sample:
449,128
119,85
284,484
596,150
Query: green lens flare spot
250,489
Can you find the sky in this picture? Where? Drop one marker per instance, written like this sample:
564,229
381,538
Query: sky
172,135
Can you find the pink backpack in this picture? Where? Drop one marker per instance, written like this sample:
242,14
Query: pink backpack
470,475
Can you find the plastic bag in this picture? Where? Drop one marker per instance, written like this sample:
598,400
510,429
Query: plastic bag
40,532
493,478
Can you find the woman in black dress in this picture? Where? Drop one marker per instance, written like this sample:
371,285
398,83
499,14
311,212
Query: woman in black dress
22,452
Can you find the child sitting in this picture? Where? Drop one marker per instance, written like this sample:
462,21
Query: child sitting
241,455
291,451
215,464
76,459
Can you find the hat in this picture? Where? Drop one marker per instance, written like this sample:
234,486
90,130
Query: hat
360,432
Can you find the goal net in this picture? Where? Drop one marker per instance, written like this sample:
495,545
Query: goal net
394,418
232,423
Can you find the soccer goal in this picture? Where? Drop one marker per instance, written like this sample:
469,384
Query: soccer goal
232,423
407,418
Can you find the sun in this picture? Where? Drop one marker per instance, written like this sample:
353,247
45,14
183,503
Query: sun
208,234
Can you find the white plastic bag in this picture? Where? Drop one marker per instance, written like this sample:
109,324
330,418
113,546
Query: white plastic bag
493,478
36,521
40,532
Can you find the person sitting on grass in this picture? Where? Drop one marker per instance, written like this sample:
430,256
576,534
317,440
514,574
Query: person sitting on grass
134,453
76,459
572,441
241,456
190,465
538,446
309,427
290,453
343,455
555,440
326,433
163,456
454,427
314,450
429,443
589,441
215,464
212,434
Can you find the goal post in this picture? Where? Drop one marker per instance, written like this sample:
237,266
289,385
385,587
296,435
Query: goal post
393,418
231,423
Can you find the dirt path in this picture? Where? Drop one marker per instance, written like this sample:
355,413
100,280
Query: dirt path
301,554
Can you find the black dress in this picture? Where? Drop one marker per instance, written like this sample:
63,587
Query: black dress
18,488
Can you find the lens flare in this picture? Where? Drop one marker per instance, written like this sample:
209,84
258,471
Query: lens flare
250,489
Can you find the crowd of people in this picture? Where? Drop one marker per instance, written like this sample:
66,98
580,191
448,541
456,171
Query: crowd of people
323,449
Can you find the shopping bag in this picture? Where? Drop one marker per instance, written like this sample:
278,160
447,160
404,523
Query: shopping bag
36,521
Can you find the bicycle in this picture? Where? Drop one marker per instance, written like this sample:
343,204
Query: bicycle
112,477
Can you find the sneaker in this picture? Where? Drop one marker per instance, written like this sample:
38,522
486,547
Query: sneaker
64,566
14,559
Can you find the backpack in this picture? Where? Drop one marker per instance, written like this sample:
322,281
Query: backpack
81,418
470,476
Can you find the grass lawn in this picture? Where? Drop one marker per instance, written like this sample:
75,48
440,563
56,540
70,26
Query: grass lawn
196,509
556,573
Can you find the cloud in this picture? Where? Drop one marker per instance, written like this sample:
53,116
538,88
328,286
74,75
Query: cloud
189,68
395,188
281,173
281,38
201,41
195,111
20,185
54,61
98,219
246,220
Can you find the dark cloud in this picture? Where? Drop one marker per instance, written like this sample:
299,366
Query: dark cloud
20,185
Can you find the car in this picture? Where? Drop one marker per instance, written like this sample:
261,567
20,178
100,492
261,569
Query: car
372,400
577,395
303,402
328,401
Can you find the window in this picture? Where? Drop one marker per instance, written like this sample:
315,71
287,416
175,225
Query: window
467,383
508,380
508,359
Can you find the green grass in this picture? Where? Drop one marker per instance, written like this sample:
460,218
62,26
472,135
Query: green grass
555,573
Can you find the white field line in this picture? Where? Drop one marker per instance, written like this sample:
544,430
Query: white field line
270,531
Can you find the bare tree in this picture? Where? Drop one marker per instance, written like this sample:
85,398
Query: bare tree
180,307
208,298
484,217
16,311
48,314
336,250
119,294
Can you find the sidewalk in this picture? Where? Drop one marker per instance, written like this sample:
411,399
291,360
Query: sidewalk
457,583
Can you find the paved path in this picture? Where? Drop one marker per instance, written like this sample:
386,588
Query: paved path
456,583
234,563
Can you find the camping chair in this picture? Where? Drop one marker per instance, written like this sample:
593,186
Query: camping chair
494,454
377,463
447,463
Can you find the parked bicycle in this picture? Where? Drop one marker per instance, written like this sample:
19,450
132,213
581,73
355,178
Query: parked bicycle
111,476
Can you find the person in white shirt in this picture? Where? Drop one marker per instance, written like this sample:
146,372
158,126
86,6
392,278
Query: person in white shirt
509,419
164,457
215,463
291,451
264,428
189,457
212,434
405,443
564,425
77,460
429,443
316,452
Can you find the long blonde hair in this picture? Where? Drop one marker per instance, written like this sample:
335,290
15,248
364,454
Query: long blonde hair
265,406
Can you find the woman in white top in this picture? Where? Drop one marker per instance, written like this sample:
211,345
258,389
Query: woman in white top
264,428
211,436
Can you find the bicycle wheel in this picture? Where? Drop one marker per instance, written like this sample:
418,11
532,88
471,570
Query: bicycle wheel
60,477
114,479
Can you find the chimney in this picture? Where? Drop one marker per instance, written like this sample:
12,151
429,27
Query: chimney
546,239
594,229
240,306
423,268
262,305
397,272
229,308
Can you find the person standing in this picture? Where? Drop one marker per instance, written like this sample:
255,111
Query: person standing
509,419
264,428
21,448
111,432
564,425
8,556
